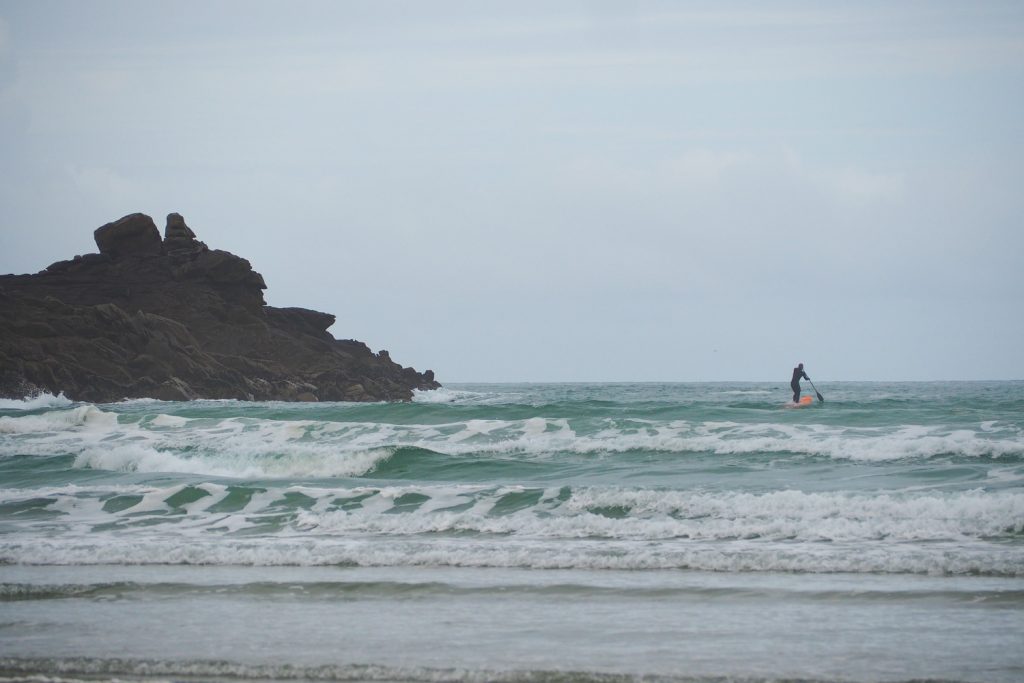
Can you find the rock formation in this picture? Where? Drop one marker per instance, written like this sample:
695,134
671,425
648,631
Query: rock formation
173,319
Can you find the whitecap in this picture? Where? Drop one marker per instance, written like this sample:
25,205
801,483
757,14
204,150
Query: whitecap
443,395
43,400
83,417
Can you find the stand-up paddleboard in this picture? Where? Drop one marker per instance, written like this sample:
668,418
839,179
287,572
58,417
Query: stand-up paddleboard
804,402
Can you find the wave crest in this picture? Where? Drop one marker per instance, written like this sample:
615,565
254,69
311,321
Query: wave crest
86,416
37,402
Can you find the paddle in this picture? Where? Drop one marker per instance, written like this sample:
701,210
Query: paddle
820,397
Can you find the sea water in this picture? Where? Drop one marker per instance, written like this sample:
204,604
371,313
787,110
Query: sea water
527,532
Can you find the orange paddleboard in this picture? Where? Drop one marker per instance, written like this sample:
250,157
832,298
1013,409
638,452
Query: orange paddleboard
804,402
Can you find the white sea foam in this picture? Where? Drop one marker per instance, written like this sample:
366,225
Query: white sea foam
83,417
134,457
444,395
43,400
259,463
590,527
260,448
141,401
169,421
661,515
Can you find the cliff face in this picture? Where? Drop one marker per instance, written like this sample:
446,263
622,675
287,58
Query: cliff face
172,319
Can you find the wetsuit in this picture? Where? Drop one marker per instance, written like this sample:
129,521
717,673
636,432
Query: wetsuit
794,384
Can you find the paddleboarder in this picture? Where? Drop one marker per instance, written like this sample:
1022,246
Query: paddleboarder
794,384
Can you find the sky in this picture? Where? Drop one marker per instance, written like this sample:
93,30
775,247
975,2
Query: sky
555,191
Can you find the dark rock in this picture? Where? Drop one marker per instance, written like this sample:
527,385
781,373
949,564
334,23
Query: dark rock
135,234
176,320
314,323
176,230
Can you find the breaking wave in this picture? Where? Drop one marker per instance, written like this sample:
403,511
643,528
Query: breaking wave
252,447
515,526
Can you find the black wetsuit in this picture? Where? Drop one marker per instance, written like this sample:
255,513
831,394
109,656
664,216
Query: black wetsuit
794,384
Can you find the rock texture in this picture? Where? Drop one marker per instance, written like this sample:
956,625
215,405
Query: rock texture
173,319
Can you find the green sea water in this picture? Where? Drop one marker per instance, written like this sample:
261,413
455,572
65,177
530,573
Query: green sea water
519,532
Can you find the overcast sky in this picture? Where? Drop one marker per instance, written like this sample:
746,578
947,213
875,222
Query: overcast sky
555,191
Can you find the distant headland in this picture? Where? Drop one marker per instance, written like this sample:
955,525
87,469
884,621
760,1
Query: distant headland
173,319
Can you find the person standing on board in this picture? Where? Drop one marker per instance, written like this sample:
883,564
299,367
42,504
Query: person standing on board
794,384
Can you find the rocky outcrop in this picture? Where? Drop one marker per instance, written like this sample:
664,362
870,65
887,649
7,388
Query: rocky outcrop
173,319
134,234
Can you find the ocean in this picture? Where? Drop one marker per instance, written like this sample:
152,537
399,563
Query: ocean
519,532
